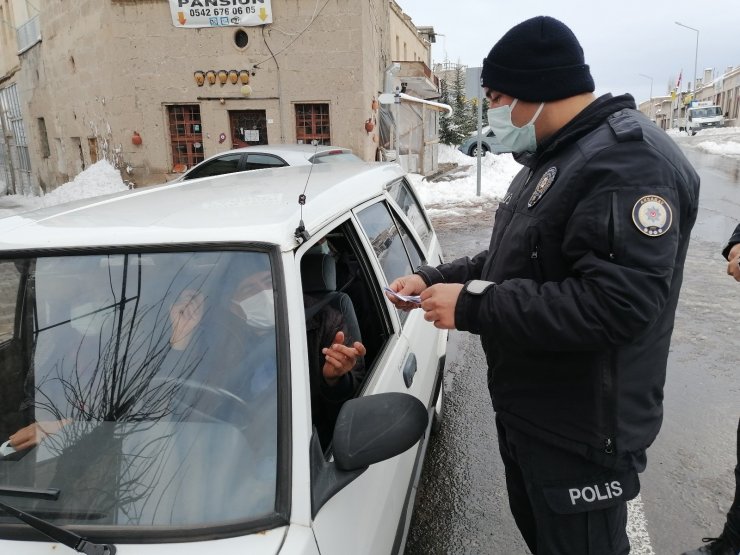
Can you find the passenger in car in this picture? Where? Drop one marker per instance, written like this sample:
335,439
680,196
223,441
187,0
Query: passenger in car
336,353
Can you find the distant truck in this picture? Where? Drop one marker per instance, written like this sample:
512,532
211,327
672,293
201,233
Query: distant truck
702,115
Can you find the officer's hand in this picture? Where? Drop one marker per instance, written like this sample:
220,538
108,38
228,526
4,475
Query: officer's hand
406,285
438,302
733,262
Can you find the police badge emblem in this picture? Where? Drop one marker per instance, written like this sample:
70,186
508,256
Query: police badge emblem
652,215
543,185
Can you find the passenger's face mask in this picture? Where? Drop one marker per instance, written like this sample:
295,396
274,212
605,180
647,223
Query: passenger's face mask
259,309
85,320
518,139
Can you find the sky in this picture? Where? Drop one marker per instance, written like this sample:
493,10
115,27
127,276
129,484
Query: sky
621,40
445,197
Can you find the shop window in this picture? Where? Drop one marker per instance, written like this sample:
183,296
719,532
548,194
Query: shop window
312,123
186,135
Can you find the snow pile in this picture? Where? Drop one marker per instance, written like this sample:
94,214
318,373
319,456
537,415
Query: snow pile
724,141
729,148
497,171
99,179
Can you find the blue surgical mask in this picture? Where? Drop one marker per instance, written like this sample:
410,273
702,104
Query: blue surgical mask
518,139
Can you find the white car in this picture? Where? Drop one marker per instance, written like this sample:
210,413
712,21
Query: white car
157,383
268,156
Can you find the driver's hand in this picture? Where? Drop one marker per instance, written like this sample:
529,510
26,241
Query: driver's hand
340,359
32,434
185,315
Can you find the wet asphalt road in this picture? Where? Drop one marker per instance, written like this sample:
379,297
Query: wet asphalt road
462,506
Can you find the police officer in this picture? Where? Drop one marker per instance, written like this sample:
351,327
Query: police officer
728,542
574,300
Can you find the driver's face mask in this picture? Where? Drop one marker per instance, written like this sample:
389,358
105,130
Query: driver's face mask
259,309
518,139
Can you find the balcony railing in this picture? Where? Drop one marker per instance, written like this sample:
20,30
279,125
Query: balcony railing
28,34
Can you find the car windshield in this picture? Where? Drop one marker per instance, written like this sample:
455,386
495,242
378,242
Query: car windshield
706,112
142,386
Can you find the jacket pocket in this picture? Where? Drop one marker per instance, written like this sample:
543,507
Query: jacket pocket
599,492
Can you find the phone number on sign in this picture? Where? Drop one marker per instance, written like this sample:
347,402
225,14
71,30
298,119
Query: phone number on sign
207,12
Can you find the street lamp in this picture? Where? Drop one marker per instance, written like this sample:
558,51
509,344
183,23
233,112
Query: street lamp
651,92
696,53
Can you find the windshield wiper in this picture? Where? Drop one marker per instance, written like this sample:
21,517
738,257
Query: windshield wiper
51,494
59,534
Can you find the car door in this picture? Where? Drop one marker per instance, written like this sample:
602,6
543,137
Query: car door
427,343
363,518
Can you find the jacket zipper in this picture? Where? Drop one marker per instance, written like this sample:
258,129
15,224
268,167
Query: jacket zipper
534,255
613,211
608,408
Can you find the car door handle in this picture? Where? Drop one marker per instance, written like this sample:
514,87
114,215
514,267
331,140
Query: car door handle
409,369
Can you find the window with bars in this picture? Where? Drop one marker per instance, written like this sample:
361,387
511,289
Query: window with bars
186,135
312,123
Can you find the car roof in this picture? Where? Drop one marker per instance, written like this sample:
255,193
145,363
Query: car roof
294,152
260,205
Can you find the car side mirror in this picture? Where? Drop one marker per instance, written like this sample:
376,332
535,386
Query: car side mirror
376,428
368,430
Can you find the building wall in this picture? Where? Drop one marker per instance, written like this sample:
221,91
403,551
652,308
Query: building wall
406,45
107,69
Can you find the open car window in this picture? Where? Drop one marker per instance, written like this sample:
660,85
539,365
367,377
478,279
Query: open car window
340,293
147,387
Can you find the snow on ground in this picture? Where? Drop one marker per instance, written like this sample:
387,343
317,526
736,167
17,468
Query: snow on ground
99,179
454,194
724,141
460,192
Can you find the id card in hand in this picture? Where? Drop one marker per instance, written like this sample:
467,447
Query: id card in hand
416,299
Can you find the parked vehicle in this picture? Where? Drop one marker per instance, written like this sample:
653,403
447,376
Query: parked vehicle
703,115
268,156
489,143
158,423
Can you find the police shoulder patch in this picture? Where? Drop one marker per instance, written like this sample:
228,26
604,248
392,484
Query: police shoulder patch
652,215
547,179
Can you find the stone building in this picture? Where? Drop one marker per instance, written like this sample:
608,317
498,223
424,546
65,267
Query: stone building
669,111
156,86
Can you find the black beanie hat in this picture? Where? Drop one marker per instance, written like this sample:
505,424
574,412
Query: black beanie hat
536,61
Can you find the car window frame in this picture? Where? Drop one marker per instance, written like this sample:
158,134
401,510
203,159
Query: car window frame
422,210
368,260
394,215
284,465
239,166
246,167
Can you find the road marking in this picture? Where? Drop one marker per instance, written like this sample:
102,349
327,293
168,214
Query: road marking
637,528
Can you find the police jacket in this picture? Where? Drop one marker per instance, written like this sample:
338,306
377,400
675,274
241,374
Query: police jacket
585,265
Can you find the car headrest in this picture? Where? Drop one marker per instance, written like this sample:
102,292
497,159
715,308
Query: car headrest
319,273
